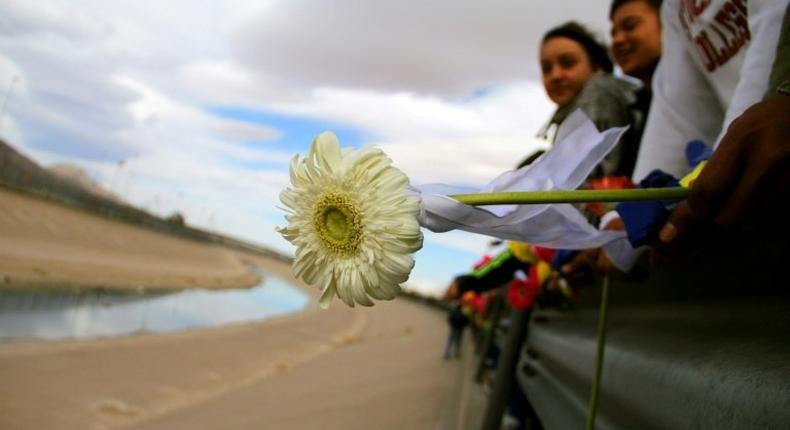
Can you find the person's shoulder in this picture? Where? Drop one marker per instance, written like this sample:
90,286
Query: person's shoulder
607,90
609,85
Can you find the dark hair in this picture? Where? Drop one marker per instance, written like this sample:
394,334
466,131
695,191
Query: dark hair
654,4
596,51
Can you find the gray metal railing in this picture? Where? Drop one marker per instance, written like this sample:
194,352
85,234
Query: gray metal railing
696,345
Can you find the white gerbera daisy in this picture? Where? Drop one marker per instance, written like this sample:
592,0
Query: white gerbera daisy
353,225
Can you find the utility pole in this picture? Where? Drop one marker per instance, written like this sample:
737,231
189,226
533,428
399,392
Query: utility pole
11,84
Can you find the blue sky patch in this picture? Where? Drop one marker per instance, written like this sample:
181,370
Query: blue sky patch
441,263
297,131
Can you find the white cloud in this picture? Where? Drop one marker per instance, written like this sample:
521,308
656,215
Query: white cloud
469,242
244,130
429,137
425,286
162,123
9,130
434,47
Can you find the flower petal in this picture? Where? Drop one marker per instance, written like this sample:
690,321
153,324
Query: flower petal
364,182
327,295
326,150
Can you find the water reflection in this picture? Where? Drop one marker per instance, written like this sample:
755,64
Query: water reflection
89,314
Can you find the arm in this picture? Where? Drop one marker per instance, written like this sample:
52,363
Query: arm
496,273
748,173
493,275
765,25
684,105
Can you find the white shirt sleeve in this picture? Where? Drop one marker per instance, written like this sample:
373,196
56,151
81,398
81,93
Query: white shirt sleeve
684,106
765,23
690,102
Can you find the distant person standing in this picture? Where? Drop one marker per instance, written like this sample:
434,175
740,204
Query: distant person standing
457,322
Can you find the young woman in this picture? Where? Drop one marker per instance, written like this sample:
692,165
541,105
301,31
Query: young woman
577,74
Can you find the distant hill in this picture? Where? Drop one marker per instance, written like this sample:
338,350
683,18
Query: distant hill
18,168
13,160
71,186
63,183
77,176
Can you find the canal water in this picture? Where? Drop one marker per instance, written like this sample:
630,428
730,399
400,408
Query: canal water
93,313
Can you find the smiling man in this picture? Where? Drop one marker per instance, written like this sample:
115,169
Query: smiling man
636,37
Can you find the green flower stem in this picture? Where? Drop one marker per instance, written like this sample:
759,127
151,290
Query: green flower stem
571,196
592,409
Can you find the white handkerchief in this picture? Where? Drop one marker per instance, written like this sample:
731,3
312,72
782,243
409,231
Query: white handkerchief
579,148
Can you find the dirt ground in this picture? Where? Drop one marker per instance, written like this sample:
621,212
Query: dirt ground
342,368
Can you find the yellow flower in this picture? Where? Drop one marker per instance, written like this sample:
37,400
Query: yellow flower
353,225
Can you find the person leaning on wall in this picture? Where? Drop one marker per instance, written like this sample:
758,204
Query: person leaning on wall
736,100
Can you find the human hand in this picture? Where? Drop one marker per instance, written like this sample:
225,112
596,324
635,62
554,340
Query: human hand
747,176
585,265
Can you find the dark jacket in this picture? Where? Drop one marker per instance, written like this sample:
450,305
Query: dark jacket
456,318
611,102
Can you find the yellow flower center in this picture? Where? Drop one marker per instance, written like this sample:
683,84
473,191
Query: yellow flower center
339,223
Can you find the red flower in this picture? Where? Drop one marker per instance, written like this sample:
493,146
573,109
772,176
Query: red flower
483,261
468,299
521,294
479,303
611,183
544,254
607,183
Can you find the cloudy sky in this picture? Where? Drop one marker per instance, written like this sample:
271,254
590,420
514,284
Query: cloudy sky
196,106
